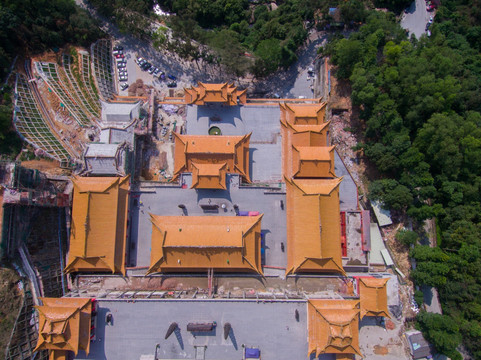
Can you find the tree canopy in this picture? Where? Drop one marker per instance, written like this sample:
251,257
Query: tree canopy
420,108
31,26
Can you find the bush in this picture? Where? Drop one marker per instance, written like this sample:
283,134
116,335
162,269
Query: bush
419,297
407,237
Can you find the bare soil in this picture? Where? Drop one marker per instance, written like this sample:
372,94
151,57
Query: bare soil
380,350
46,166
346,130
11,299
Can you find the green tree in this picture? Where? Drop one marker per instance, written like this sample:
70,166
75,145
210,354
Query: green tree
268,59
442,331
407,237
432,266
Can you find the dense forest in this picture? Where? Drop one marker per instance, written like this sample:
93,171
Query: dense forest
420,104
272,33
31,26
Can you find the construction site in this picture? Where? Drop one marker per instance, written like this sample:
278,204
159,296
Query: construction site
190,224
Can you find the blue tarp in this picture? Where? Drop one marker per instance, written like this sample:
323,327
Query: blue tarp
253,353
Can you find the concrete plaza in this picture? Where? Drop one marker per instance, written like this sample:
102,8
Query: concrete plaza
138,327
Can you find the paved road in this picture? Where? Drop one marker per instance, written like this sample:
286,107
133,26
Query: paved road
415,18
431,300
294,81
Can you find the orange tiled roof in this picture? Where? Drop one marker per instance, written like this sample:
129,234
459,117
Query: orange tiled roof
209,176
64,325
312,162
314,136
373,294
99,224
313,225
233,151
333,327
303,114
219,93
194,243
309,135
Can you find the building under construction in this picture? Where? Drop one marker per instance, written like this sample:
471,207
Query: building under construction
255,198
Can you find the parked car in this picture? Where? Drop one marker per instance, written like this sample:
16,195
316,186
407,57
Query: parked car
162,75
122,72
139,60
121,65
427,26
172,77
156,71
172,84
123,78
146,66
120,56
118,47
151,70
124,86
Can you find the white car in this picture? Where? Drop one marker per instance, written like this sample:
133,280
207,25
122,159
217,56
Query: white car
124,86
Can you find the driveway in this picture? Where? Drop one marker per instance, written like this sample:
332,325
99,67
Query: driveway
415,18
295,81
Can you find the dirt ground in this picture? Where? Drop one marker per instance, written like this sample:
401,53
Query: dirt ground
46,166
158,161
236,286
346,132
11,294
158,155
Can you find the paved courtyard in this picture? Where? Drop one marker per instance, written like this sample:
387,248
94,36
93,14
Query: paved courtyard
265,195
138,327
261,120
165,200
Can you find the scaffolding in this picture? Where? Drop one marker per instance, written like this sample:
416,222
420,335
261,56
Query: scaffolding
25,333
103,68
93,107
88,80
50,73
32,126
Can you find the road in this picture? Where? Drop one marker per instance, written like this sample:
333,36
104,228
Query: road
415,18
295,81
